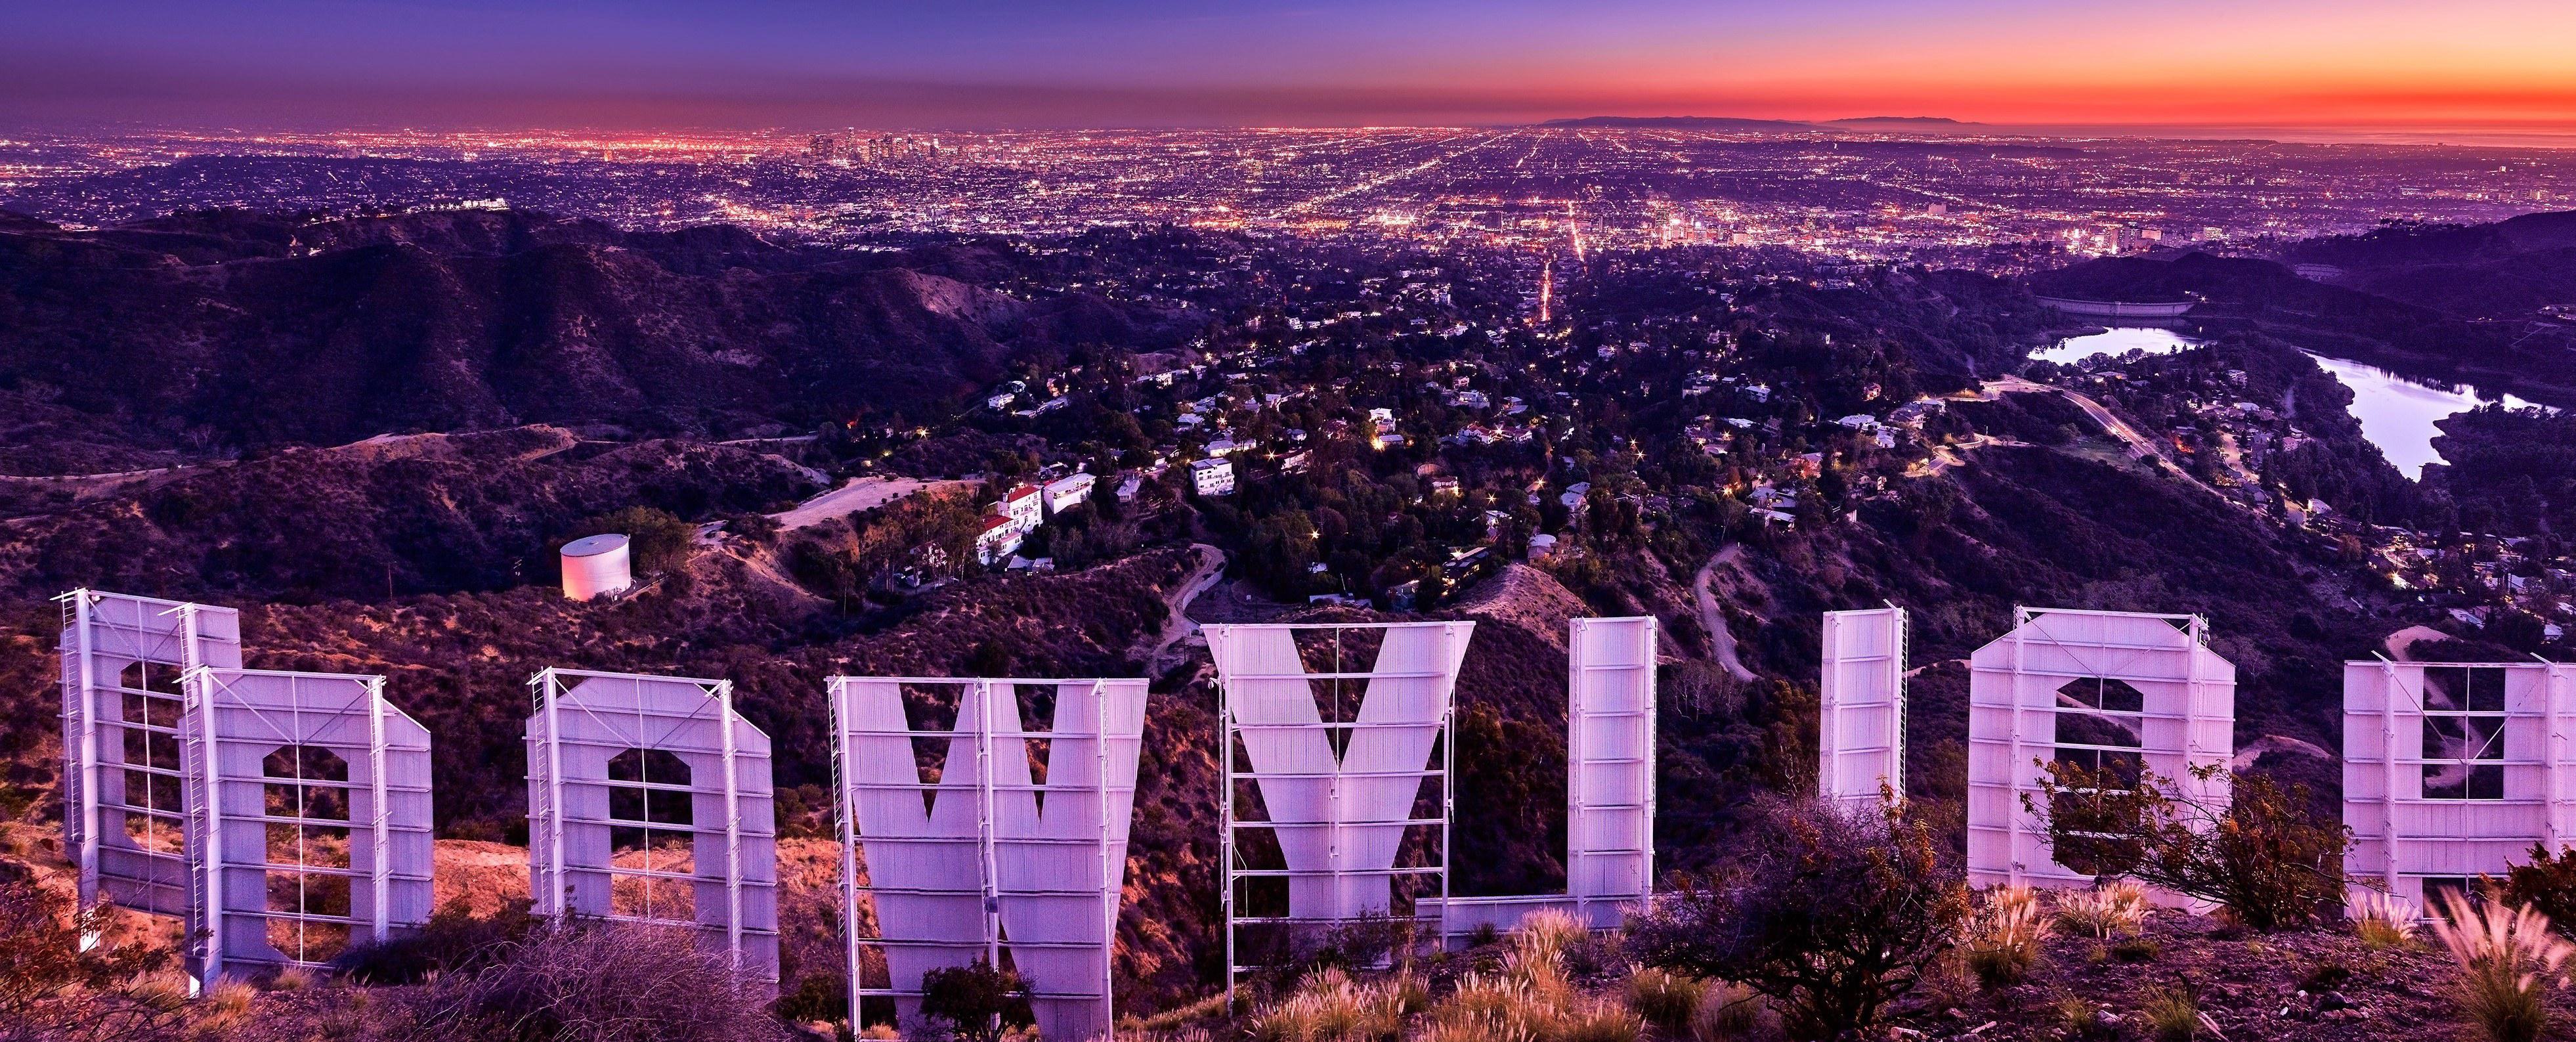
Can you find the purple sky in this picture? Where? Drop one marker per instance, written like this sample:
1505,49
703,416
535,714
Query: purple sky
796,63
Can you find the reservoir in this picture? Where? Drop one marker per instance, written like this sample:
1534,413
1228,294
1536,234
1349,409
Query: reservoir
2118,340
2398,414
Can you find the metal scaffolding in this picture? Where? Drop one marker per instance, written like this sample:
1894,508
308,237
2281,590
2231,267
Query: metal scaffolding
1860,740
126,792
609,839
1337,796
992,861
2112,691
309,829
2453,770
1609,786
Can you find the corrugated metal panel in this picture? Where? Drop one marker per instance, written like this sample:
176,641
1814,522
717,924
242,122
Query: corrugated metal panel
2023,689
2453,770
698,851
1610,764
313,823
125,788
1860,742
1339,820
998,861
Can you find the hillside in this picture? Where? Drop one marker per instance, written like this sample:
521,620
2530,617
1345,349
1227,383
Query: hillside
228,330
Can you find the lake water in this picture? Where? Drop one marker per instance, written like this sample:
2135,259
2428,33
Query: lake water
2398,415
2118,340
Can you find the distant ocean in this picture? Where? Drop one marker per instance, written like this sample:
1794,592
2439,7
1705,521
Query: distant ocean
2490,136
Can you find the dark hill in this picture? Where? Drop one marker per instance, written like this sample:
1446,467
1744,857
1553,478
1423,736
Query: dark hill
228,329
2505,271
2263,297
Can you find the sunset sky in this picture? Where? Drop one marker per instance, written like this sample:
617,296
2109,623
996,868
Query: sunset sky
758,63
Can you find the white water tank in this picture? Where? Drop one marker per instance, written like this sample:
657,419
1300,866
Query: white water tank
595,566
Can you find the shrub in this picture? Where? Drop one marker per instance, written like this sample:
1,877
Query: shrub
1329,1007
2507,957
603,982
2171,1011
2267,856
2002,941
1490,1007
1665,999
2137,949
977,999
453,941
2381,920
1727,1013
2085,1020
1596,1021
2547,885
52,988
656,540
1832,913
1547,935
2104,912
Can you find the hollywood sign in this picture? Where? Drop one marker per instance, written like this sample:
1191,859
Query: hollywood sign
286,816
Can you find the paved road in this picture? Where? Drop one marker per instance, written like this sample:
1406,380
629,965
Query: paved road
1721,641
856,495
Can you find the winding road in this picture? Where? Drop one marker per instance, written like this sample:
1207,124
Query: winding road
1711,618
1178,625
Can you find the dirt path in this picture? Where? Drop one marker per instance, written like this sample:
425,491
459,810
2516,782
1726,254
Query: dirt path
856,495
1178,625
1721,641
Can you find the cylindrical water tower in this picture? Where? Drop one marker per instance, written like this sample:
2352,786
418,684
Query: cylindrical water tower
596,566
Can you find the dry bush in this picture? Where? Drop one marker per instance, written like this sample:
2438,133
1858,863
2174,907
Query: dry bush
1487,1006
2545,884
2171,1012
1731,1013
1547,935
1328,1006
2264,853
1667,1000
2508,960
1593,1020
2001,942
2111,910
1832,913
606,982
54,990
2381,920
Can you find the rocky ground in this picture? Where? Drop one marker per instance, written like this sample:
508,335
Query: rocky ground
2318,985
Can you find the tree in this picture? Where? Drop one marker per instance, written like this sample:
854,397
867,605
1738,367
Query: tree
2265,855
1831,912
977,999
657,541
53,987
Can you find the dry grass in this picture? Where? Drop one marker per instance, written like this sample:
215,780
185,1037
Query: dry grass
1666,1000
2002,939
1546,935
2508,960
1328,1006
2115,909
2381,920
2171,1012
